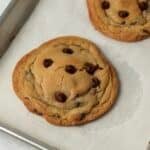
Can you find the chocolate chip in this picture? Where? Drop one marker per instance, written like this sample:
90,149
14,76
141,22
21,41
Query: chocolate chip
60,97
90,68
97,103
70,69
143,5
95,82
37,112
101,68
82,116
67,51
146,31
56,115
123,22
123,13
133,23
47,62
77,104
105,5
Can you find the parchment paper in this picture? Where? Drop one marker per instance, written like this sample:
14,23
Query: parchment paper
126,126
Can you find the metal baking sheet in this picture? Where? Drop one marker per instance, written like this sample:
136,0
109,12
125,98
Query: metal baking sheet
13,14
126,126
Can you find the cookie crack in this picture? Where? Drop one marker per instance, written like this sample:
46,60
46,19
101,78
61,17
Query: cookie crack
61,81
34,81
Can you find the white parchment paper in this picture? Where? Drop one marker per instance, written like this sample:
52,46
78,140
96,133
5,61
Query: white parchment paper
126,126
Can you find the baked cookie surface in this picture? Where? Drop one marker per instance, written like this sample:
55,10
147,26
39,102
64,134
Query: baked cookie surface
126,20
66,80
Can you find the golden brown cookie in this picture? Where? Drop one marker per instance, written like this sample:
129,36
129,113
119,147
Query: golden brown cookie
126,20
66,80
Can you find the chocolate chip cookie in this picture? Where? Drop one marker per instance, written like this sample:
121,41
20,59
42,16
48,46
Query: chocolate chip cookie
67,81
126,20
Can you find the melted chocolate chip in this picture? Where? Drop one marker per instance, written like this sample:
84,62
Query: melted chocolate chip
56,115
67,51
123,13
146,31
60,97
105,5
143,6
90,68
82,116
37,112
70,69
95,82
47,62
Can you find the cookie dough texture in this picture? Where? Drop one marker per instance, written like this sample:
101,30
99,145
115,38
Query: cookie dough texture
67,81
125,20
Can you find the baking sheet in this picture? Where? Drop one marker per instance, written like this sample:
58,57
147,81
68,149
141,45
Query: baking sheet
126,126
